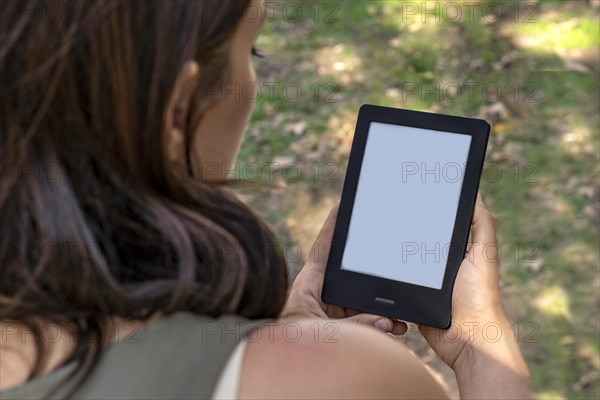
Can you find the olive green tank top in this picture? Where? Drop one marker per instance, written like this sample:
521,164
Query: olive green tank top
176,357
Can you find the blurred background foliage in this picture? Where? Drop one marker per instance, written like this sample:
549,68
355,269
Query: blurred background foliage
530,68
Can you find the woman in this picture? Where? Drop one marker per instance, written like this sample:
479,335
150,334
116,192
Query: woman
128,270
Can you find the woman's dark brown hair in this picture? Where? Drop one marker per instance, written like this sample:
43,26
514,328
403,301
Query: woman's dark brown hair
94,223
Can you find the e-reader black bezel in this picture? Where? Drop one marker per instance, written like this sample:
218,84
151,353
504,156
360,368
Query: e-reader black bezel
401,300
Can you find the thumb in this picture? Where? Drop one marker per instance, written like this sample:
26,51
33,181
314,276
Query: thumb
319,252
383,324
483,231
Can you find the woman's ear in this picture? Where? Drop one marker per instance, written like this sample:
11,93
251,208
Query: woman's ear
176,114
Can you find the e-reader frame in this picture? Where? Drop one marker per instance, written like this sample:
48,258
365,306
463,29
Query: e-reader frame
386,297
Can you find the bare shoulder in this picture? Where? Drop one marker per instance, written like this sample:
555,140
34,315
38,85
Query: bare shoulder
331,359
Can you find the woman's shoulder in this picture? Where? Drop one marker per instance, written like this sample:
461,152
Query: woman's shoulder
331,359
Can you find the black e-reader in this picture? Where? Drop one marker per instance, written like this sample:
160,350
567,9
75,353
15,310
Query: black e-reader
405,213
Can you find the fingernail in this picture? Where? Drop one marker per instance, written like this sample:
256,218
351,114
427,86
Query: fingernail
383,324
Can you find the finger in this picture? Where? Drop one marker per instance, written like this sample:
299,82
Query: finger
483,229
400,328
319,253
428,332
334,311
350,312
483,221
377,321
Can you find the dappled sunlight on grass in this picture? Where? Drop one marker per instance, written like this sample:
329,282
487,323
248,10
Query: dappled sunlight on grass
554,301
550,396
556,31
406,16
339,62
570,36
579,140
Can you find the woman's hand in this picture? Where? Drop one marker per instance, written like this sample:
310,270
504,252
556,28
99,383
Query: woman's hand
476,295
480,345
305,296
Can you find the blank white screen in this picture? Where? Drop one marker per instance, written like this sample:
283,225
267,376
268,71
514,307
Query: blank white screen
406,204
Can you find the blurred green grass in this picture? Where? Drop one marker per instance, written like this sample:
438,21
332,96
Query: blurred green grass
539,62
